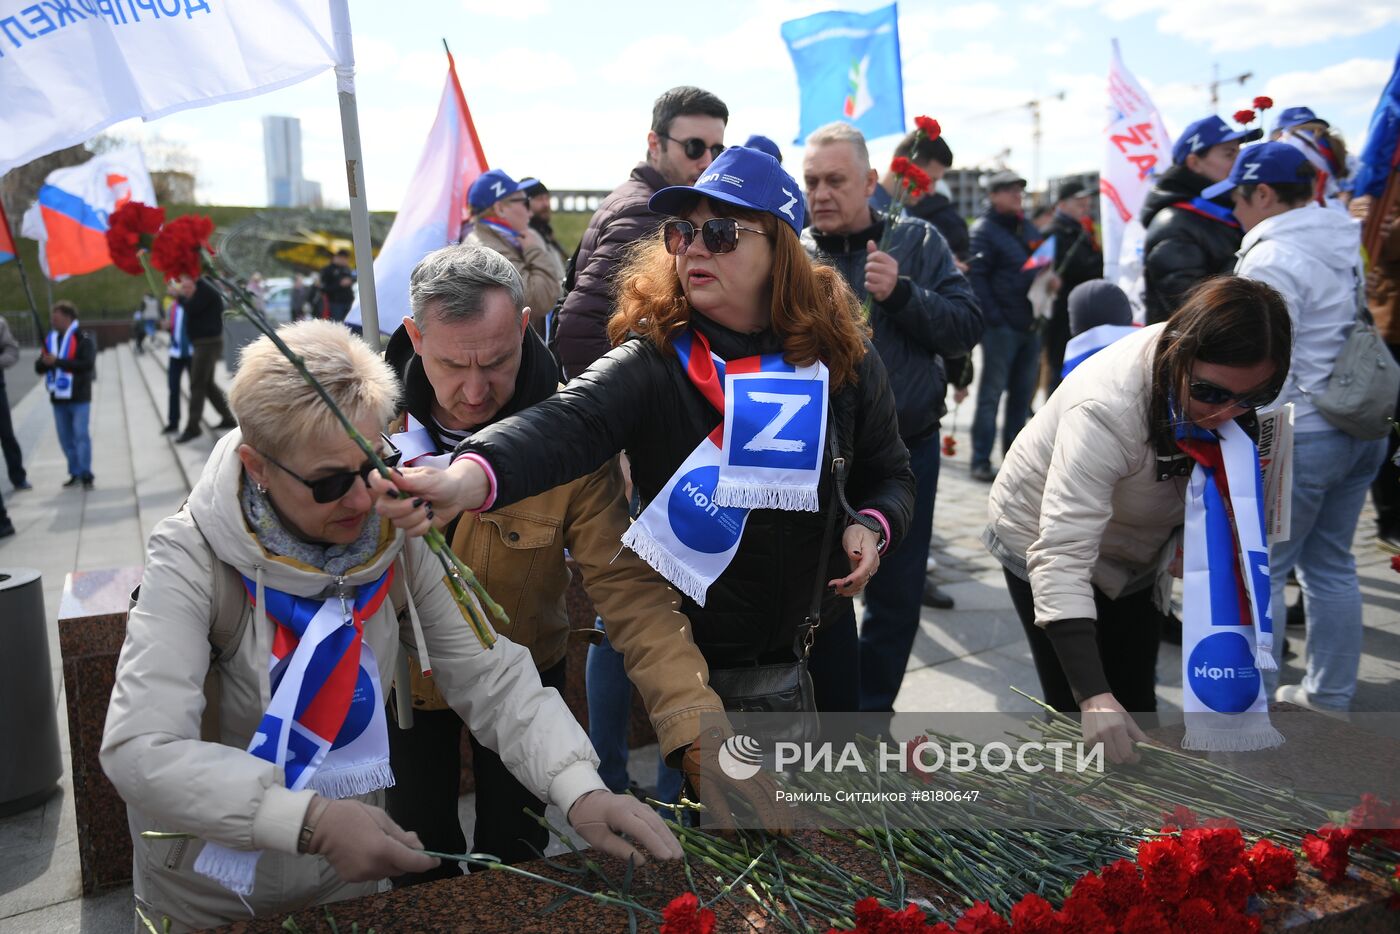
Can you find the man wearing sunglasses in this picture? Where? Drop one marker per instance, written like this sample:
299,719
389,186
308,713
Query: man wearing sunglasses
466,359
501,222
1312,256
922,310
687,133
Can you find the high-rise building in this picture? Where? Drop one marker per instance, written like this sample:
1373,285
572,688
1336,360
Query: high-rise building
282,156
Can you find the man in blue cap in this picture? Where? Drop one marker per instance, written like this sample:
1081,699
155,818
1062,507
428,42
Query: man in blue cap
501,222
1312,256
1190,237
1297,118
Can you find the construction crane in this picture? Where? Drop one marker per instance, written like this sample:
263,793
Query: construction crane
1034,107
1216,81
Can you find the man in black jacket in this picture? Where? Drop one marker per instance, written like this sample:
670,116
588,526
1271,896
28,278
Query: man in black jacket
1078,258
921,310
68,363
204,327
687,133
1190,239
338,285
1011,342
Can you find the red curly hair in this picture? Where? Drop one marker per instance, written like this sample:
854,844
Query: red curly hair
813,312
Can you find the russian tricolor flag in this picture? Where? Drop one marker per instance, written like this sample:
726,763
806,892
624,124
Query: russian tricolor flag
70,218
1043,256
7,239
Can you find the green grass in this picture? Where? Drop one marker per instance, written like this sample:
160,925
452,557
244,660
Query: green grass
111,293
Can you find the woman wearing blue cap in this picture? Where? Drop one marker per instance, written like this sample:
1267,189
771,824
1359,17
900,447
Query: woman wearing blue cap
741,373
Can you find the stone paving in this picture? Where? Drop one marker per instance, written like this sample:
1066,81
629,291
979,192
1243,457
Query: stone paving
965,659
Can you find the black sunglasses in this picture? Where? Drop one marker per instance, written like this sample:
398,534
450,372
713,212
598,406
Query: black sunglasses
331,488
721,235
1207,393
695,146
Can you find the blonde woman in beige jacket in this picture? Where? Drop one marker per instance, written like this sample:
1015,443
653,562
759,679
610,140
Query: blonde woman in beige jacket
283,503
1085,510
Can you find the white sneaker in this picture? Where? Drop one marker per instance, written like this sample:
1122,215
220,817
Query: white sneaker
1295,694
930,565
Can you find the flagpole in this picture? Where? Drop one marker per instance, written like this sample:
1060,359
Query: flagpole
23,275
355,170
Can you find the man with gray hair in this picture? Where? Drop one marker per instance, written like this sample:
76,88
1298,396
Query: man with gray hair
922,311
466,358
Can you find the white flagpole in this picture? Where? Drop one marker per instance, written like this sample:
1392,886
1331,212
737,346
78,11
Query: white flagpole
355,170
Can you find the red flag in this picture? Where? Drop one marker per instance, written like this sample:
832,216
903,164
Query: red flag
7,239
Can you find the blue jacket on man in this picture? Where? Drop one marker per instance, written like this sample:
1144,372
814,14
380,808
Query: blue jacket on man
932,312
999,251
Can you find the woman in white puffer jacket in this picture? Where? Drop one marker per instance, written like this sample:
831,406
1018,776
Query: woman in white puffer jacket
278,808
1084,512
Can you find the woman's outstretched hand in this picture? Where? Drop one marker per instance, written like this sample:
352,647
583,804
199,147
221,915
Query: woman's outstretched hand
862,548
1105,721
423,497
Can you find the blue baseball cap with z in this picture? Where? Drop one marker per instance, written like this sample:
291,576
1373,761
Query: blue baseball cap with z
1207,132
493,185
1271,163
744,177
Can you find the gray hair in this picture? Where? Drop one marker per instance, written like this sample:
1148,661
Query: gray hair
840,132
455,280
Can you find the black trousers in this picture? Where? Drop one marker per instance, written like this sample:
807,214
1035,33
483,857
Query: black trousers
14,460
177,368
427,765
207,352
1129,630
1385,492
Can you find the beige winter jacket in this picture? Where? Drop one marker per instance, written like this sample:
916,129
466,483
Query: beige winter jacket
1077,501
173,781
538,265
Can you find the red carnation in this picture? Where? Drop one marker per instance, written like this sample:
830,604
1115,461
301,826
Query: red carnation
1373,817
1271,866
1395,562
918,182
900,166
126,227
1034,915
1122,885
981,919
1165,872
1327,850
950,446
1082,916
1214,849
929,127
177,249
1145,919
1236,887
1263,103
1244,117
1236,922
1181,818
1195,914
685,916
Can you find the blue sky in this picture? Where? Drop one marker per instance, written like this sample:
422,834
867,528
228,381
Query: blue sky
563,90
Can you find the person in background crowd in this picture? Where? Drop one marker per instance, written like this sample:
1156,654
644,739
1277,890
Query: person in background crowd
727,281
1296,118
501,222
1010,341
1189,237
138,332
687,133
337,281
921,310
9,444
1327,152
1078,259
203,320
282,506
1312,256
1099,314
68,364
764,144
1383,300
257,287
1041,219
181,355
466,359
1094,492
541,214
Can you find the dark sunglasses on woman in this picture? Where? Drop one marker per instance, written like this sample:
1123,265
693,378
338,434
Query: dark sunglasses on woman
695,147
721,235
1207,393
331,488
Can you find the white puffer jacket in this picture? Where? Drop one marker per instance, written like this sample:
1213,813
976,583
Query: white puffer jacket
1312,255
1077,501
174,781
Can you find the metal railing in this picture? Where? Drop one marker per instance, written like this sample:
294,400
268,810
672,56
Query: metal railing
22,327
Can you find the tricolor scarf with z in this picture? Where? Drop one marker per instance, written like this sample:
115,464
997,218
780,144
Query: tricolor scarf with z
766,454
1227,634
59,382
324,727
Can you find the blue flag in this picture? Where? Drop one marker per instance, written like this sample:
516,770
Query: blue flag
848,69
1382,152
